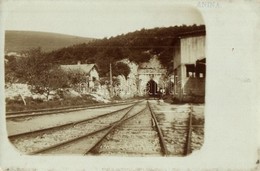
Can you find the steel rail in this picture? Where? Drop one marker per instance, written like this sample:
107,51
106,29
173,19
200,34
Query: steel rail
161,138
67,124
82,136
67,107
52,147
115,125
56,112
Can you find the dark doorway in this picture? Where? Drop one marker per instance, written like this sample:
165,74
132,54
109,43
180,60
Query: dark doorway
151,88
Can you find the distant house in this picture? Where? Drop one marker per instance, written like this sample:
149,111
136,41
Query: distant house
189,63
89,70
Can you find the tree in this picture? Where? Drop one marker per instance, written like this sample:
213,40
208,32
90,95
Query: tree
50,80
121,68
10,69
133,45
67,57
43,76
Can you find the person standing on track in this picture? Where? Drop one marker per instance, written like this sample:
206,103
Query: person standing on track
160,94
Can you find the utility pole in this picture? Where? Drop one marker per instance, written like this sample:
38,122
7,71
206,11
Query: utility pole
111,81
110,74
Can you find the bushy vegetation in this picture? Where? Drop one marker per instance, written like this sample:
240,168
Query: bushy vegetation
138,46
43,76
32,104
41,69
121,68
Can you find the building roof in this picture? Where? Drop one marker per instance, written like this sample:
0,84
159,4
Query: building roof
192,33
176,40
85,68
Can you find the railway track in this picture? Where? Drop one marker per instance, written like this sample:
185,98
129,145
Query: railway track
182,135
137,135
32,113
92,136
30,123
31,141
191,131
68,124
132,131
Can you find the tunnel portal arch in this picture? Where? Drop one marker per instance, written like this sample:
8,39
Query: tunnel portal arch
151,88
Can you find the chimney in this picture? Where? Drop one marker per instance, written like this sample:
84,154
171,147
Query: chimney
78,62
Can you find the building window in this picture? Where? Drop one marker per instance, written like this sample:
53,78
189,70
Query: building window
190,70
201,68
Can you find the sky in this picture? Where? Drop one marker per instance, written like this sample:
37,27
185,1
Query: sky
95,19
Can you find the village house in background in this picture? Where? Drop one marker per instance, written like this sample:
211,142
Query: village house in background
185,83
189,62
89,72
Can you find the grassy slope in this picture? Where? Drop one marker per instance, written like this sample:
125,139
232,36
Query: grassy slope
17,41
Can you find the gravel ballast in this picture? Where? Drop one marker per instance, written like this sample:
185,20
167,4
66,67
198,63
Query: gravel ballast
38,141
40,122
135,137
173,121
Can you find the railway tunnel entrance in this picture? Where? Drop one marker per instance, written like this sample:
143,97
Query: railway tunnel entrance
151,88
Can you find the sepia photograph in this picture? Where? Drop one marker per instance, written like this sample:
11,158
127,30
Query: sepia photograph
132,93
118,80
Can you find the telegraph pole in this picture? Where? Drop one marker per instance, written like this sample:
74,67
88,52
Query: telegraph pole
110,74
111,81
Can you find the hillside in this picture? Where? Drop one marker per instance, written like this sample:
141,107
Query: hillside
138,46
17,41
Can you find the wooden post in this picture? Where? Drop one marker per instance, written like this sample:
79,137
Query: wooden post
110,74
24,102
189,134
111,80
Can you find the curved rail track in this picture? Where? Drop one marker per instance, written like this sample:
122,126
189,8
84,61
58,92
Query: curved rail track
138,134
41,112
69,124
90,136
31,140
132,131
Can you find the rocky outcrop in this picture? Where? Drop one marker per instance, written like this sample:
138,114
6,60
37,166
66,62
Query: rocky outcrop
136,81
13,91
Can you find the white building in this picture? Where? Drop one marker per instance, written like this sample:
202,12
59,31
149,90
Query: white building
89,70
189,61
